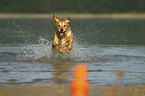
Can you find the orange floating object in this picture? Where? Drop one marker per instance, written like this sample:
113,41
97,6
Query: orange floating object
80,85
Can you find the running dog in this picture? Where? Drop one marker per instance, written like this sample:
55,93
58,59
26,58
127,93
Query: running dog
63,38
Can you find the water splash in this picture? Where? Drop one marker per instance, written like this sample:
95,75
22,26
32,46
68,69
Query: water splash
43,52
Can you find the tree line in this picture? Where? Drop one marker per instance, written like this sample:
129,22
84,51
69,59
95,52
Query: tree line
71,6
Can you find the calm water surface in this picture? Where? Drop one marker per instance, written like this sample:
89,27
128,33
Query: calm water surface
104,45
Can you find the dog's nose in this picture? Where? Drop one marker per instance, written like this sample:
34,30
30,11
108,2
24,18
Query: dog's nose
61,30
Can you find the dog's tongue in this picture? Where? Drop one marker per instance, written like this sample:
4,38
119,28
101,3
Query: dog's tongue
61,34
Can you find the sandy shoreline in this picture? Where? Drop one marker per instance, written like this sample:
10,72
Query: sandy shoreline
128,16
64,90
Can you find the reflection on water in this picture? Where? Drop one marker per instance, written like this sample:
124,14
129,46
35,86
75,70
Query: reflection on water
62,73
104,45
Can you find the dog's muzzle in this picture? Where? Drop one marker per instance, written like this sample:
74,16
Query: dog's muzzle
61,32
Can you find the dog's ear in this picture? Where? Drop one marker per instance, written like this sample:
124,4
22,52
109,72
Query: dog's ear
56,18
67,19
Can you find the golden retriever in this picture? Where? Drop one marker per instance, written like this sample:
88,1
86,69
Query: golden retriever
63,38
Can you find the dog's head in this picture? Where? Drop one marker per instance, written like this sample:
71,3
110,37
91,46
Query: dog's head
61,25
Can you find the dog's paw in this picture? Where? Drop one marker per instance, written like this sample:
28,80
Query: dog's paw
60,50
67,50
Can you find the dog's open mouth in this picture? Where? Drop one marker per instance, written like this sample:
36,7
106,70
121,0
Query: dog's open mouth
61,33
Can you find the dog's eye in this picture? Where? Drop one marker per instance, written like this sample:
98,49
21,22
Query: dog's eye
58,25
64,25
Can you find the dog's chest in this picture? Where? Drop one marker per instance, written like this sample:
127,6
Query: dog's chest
63,43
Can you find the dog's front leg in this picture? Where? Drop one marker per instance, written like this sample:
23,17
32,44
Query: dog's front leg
57,48
69,46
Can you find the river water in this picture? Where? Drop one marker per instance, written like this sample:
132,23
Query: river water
105,45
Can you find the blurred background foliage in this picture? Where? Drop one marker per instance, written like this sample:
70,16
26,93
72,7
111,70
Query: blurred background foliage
72,6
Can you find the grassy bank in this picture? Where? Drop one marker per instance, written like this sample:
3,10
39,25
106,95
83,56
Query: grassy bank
116,15
64,90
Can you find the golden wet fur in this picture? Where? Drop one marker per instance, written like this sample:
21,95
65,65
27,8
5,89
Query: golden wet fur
63,38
